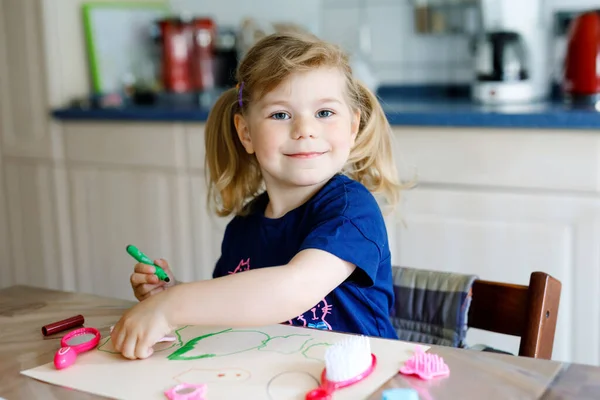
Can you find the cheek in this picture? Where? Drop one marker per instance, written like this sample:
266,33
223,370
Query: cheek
342,137
266,147
342,143
267,141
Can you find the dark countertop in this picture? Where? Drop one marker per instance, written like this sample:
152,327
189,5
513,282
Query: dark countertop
413,106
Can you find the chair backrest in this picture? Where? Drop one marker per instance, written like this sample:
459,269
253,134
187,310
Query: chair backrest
526,311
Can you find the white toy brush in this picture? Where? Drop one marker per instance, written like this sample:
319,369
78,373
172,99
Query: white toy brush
346,363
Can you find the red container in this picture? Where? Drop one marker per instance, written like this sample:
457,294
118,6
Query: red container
582,59
176,43
188,48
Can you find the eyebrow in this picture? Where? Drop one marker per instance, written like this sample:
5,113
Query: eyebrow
286,103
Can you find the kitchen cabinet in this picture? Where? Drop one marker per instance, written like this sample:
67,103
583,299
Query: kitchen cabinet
115,207
34,226
140,189
504,203
141,184
506,236
127,186
208,228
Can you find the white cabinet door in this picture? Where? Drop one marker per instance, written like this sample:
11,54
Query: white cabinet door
35,227
505,237
112,208
208,230
128,186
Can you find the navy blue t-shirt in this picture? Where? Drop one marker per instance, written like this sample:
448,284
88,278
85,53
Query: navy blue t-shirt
344,219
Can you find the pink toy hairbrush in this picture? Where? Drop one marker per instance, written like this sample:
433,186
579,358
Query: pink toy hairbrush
186,391
346,363
425,365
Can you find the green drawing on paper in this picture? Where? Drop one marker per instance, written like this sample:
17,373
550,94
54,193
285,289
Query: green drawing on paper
248,340
245,340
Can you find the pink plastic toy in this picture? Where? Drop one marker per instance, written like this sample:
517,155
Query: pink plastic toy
73,343
346,363
425,365
186,391
324,392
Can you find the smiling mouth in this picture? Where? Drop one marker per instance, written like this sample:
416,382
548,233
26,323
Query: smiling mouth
311,154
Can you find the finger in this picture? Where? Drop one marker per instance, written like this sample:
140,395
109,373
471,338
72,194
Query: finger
142,268
164,265
143,349
161,262
116,336
138,279
128,347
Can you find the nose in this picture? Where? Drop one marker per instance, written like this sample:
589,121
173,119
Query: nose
304,128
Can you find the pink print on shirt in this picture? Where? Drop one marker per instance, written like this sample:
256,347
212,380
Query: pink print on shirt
315,317
242,266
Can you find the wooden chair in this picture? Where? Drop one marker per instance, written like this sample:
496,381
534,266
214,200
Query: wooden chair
526,311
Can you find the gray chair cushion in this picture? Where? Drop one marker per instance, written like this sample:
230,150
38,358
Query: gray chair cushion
431,306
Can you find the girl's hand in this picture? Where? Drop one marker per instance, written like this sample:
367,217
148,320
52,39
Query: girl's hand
142,326
145,284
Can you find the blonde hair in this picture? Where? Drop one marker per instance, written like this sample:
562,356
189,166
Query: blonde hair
233,175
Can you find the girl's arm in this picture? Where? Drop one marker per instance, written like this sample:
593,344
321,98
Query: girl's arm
259,297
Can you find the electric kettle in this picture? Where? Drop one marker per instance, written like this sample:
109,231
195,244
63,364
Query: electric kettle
581,74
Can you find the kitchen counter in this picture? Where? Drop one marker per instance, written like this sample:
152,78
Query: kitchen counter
403,107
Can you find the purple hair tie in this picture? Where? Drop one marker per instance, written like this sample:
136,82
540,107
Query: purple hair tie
240,95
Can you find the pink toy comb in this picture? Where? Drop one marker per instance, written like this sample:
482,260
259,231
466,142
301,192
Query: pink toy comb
425,365
186,391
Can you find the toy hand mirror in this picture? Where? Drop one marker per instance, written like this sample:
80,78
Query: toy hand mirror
73,343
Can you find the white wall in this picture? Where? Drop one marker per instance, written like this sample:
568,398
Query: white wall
574,4
231,12
398,54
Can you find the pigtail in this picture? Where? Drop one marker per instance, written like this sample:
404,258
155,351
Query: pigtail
371,161
232,174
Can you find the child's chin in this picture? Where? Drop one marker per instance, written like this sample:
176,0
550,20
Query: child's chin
310,180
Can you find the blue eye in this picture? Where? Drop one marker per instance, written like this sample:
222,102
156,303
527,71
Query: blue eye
279,115
324,113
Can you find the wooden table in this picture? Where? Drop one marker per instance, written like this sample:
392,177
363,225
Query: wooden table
474,375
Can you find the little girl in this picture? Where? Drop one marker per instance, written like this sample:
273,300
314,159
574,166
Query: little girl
293,153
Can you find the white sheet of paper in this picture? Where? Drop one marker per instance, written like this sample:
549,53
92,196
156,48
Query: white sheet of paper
276,362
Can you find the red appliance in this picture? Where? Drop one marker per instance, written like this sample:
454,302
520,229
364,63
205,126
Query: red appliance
581,80
187,54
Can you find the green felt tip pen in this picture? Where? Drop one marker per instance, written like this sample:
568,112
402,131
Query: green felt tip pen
141,257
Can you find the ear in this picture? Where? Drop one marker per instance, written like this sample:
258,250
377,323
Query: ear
355,125
243,131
